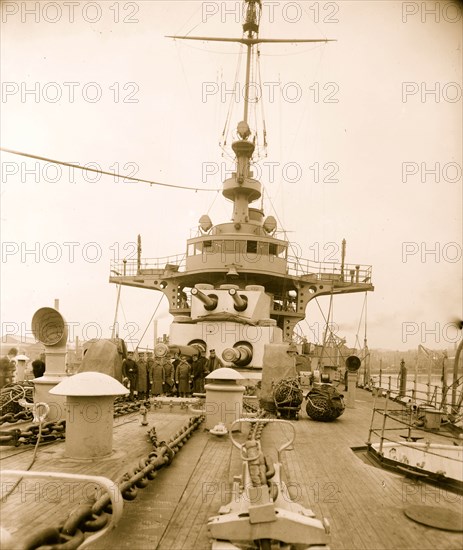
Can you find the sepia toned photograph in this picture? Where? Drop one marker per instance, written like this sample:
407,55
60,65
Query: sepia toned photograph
231,276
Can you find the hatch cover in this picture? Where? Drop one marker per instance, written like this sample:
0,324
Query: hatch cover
435,516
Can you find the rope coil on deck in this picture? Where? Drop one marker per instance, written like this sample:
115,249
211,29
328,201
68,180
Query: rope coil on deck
324,403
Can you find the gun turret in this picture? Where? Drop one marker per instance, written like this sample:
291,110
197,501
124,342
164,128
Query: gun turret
209,301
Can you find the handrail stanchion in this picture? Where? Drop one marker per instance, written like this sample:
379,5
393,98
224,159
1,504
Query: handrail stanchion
372,418
384,424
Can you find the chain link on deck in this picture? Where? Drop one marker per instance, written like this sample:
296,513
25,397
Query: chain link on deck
51,431
54,431
11,418
92,517
9,405
10,409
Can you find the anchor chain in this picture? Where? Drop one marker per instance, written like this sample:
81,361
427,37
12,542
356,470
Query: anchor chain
260,467
11,418
92,517
250,407
121,407
10,410
53,430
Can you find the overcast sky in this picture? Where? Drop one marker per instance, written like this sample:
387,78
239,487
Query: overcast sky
365,134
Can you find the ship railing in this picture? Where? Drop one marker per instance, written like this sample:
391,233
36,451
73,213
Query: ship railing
416,393
349,273
133,267
400,425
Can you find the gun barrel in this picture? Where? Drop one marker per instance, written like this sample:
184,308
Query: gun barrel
210,302
241,302
240,355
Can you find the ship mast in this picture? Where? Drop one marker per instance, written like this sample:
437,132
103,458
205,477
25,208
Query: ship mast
242,189
251,26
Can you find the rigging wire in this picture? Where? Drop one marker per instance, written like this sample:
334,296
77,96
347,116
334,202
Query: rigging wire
212,204
310,328
260,132
366,313
189,19
357,341
177,50
112,174
330,315
264,125
365,349
314,20
150,321
323,315
124,315
226,128
337,341
285,233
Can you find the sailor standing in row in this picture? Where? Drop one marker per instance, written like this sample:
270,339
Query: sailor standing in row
199,372
130,371
142,384
157,376
168,376
182,376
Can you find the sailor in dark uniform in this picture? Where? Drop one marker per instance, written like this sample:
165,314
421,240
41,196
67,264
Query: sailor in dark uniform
130,371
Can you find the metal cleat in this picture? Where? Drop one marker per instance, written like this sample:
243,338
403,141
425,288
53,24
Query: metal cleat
37,416
144,412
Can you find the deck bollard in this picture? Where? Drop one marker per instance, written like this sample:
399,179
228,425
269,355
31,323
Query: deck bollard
224,397
89,413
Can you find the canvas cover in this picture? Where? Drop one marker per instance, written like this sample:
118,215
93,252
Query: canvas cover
103,356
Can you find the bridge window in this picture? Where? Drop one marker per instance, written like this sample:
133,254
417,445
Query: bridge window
251,247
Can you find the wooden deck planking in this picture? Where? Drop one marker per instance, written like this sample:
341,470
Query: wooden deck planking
40,498
365,512
146,518
202,497
328,488
364,504
368,509
366,500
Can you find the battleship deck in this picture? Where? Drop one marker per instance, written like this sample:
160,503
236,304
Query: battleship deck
364,504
